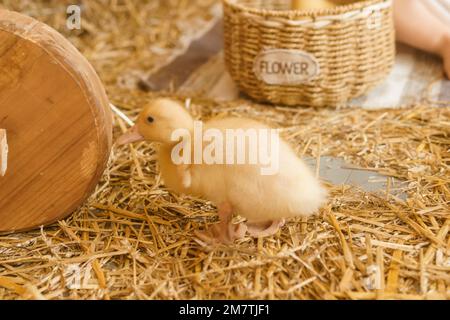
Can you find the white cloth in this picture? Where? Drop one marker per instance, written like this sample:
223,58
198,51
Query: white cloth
440,8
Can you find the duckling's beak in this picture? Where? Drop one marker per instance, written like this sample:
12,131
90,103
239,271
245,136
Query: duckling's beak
130,136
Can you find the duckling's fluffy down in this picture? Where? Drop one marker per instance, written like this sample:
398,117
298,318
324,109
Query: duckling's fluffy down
292,191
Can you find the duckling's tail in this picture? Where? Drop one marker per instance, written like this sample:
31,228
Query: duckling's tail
311,198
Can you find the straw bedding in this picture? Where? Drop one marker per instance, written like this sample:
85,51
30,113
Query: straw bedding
133,239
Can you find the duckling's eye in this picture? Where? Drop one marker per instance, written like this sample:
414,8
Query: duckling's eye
150,119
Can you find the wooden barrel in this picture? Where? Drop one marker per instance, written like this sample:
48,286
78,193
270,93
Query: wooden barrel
55,116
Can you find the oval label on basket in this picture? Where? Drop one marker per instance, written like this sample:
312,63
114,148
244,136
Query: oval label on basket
285,66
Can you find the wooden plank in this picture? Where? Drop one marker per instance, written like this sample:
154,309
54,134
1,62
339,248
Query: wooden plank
180,69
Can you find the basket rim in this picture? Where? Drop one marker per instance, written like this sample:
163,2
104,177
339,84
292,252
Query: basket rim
302,14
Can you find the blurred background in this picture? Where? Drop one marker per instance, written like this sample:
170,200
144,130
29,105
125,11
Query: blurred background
124,39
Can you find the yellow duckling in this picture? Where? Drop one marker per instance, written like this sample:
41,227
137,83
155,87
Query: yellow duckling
264,192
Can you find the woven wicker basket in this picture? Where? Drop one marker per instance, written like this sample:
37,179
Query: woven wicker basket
316,57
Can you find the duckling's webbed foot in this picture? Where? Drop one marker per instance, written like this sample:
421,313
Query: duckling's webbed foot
224,231
264,229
